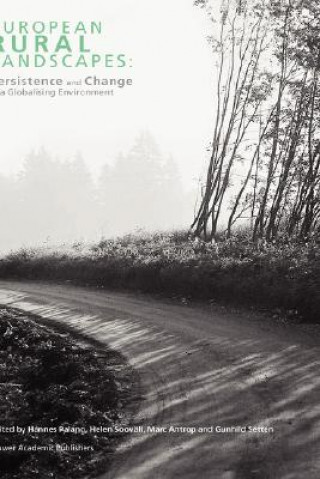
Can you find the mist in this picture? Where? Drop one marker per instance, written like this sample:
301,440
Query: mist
119,182
50,201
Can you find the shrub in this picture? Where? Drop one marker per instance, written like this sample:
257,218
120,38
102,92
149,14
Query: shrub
272,275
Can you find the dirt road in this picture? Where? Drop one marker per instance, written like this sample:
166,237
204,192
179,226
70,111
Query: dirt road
201,369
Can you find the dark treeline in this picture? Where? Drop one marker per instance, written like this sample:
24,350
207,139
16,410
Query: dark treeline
52,201
265,151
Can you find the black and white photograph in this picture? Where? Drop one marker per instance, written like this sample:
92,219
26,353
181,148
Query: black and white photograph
160,239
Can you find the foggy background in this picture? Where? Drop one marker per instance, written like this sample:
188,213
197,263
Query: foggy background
52,201
79,168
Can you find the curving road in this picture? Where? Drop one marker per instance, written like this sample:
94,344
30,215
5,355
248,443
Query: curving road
201,368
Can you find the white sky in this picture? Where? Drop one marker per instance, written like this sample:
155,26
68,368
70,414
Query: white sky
171,97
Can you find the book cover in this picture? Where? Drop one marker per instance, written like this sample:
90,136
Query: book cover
159,209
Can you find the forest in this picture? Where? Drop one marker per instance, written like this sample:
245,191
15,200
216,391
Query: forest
265,145
50,201
253,237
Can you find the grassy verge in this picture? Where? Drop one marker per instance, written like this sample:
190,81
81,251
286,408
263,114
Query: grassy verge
285,275
53,388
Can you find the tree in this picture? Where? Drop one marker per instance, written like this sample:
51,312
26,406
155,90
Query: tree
141,190
291,206
242,89
55,200
267,119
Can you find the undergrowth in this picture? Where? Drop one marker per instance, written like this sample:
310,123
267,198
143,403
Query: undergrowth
52,388
282,275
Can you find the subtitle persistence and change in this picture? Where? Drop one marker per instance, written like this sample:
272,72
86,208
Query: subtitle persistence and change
88,86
